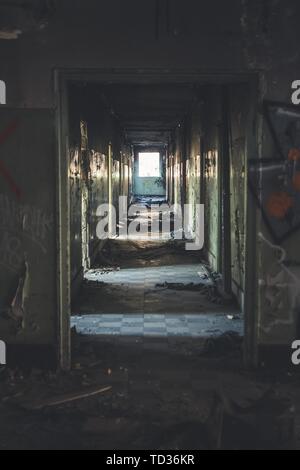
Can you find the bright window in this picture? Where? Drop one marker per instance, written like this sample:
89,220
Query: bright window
149,165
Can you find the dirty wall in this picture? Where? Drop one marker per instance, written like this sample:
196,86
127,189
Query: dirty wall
93,130
193,164
27,227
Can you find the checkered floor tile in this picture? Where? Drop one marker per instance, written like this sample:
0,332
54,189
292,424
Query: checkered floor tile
152,325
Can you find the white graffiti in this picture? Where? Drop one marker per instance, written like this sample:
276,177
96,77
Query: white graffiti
282,288
11,253
24,220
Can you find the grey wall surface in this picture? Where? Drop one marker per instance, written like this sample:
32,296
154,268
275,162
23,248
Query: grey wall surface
28,280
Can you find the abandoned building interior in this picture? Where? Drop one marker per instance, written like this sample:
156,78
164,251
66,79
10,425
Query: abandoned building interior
137,336
130,141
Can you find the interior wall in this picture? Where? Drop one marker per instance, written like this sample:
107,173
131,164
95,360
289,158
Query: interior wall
89,170
239,112
175,164
193,164
200,141
212,177
127,159
28,284
278,299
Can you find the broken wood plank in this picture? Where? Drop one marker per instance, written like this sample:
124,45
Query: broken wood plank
66,398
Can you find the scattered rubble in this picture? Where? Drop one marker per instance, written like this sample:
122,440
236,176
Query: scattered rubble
209,291
123,399
129,253
227,343
66,398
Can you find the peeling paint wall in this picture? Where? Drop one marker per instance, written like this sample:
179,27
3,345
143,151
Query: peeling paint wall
239,111
176,157
200,141
211,177
193,164
27,227
92,130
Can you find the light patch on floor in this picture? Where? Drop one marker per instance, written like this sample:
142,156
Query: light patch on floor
190,326
149,277
146,295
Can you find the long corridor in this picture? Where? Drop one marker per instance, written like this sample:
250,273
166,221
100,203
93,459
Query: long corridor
153,289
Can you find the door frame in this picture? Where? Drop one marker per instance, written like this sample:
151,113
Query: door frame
136,76
225,196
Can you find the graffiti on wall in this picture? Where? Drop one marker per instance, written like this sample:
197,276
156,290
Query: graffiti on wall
276,182
280,288
24,235
30,221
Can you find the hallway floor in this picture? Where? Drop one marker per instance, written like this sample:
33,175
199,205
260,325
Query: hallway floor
166,298
158,326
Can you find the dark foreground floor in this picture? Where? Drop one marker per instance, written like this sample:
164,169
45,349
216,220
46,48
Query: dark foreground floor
157,365
184,395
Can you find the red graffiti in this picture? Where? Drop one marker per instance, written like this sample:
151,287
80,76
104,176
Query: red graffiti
4,135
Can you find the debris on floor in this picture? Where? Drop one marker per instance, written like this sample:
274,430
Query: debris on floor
137,398
130,253
227,343
66,398
210,292
185,287
233,317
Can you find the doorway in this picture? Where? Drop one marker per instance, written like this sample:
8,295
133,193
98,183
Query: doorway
182,172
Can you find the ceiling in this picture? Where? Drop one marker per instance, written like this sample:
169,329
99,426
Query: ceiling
150,113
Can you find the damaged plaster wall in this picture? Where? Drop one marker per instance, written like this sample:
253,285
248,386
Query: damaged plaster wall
212,180
239,112
200,140
176,160
27,228
193,164
93,128
272,48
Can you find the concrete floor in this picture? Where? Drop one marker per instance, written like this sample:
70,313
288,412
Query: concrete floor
157,326
154,301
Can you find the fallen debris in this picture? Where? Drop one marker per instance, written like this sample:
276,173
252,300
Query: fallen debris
66,398
181,287
227,343
118,253
209,291
233,317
